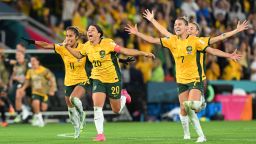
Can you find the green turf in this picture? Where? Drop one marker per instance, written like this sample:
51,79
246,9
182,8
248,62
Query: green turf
131,133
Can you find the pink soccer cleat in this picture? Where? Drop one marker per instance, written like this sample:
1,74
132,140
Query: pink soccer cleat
100,137
128,97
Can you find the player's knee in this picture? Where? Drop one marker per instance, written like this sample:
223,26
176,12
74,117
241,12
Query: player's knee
116,111
194,105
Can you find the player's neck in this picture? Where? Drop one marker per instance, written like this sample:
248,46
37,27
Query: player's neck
183,36
95,42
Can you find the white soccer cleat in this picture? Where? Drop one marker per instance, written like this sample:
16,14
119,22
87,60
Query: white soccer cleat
77,133
201,139
186,137
25,114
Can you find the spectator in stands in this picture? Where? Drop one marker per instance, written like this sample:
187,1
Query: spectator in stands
253,67
189,8
212,68
81,15
157,72
69,7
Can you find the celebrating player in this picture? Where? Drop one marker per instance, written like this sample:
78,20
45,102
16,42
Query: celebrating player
188,69
76,79
105,73
194,30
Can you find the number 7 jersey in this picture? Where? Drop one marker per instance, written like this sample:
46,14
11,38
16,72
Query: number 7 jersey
75,71
186,54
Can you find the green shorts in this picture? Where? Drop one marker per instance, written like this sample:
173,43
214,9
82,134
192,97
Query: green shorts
43,99
69,89
113,90
193,85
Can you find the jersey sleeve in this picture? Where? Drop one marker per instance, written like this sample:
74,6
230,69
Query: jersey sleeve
167,41
58,48
112,46
202,43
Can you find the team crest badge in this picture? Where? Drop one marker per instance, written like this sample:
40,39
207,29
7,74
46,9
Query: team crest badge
189,49
102,54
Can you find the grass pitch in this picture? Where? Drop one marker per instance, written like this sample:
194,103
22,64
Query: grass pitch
130,133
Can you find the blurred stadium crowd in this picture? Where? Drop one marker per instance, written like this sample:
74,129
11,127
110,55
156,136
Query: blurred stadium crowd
214,17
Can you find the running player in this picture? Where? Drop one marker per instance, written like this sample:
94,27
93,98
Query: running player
76,80
38,77
188,69
105,75
194,30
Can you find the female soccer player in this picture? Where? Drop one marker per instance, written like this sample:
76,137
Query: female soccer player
38,77
188,69
105,73
194,30
76,80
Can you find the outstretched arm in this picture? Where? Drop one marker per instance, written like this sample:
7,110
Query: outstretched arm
134,52
39,43
220,53
240,27
134,30
150,17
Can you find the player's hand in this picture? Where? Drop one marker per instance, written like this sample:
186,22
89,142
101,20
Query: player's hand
241,27
131,30
150,55
127,61
29,41
51,93
234,56
149,16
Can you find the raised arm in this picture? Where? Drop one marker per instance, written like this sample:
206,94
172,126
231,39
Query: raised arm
220,53
150,17
134,30
240,27
134,52
42,44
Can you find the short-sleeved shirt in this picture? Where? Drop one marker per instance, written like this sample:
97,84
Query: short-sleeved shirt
186,54
104,60
39,79
74,68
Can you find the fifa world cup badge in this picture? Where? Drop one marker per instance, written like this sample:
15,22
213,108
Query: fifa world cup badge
189,49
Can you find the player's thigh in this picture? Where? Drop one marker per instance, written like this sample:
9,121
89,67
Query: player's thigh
183,91
78,91
196,91
183,97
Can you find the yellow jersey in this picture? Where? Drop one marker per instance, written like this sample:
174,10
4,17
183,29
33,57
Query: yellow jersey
186,54
74,68
203,58
38,79
104,60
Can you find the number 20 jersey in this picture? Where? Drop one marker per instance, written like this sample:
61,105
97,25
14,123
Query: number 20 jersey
104,60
